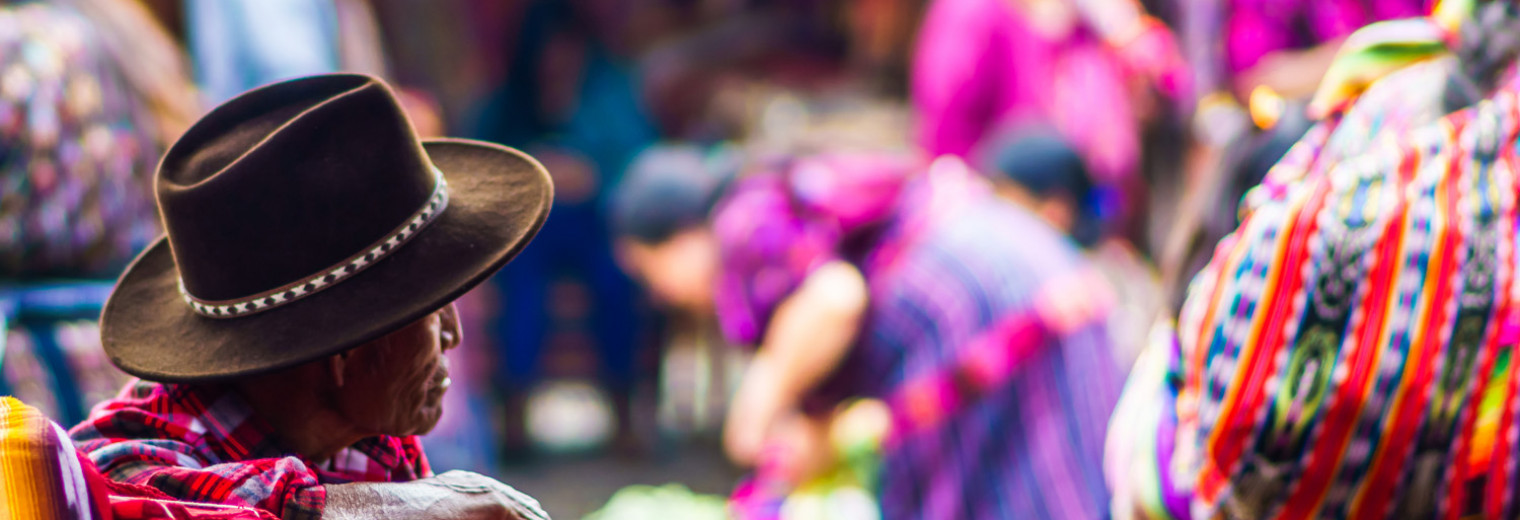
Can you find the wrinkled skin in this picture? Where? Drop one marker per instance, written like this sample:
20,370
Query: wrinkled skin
395,385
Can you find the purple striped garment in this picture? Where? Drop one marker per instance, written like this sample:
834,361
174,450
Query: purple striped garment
953,263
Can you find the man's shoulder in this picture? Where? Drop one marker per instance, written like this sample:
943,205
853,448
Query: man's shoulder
141,391
152,398
144,411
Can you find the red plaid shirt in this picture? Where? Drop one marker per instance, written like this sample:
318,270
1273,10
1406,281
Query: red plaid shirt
203,444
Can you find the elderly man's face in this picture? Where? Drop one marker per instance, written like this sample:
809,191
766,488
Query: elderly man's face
394,385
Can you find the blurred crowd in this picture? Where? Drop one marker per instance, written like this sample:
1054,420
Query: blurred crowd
891,258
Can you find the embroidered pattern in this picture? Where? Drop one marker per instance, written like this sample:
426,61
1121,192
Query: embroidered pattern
1358,384
327,277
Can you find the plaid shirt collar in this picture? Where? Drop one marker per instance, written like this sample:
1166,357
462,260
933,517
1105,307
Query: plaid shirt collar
222,422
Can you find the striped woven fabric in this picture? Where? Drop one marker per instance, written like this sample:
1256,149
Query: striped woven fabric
1155,471
1340,361
40,475
43,477
1347,352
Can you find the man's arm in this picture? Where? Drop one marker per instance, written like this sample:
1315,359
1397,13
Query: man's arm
284,486
455,495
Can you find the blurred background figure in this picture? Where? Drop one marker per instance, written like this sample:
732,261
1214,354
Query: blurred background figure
985,66
1094,71
660,214
567,310
1041,172
864,275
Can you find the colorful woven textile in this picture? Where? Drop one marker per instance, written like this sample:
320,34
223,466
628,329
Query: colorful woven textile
1346,354
203,444
40,477
1373,53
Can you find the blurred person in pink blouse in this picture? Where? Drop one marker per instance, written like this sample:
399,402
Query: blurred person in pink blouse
987,67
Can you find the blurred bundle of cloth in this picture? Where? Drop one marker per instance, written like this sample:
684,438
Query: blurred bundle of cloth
82,130
91,91
1355,336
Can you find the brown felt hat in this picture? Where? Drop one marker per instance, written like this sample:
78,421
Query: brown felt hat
305,218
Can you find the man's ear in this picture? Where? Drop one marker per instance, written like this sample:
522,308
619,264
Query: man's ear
337,365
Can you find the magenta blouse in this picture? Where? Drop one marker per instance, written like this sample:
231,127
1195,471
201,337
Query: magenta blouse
1256,28
981,70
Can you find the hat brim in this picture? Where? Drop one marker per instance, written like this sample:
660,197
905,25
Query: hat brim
498,199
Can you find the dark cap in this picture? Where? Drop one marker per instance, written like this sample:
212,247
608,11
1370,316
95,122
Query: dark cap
1047,166
671,188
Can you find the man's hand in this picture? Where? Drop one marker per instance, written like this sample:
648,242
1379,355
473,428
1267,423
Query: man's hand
460,495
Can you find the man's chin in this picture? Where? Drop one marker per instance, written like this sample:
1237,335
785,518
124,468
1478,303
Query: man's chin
428,420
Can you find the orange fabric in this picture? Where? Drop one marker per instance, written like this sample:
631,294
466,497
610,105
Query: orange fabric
40,477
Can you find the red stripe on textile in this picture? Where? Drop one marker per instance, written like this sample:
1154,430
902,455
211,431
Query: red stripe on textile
1346,408
1497,492
1390,452
1228,439
1208,483
1464,471
1414,394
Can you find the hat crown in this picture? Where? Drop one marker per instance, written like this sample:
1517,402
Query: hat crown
288,180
